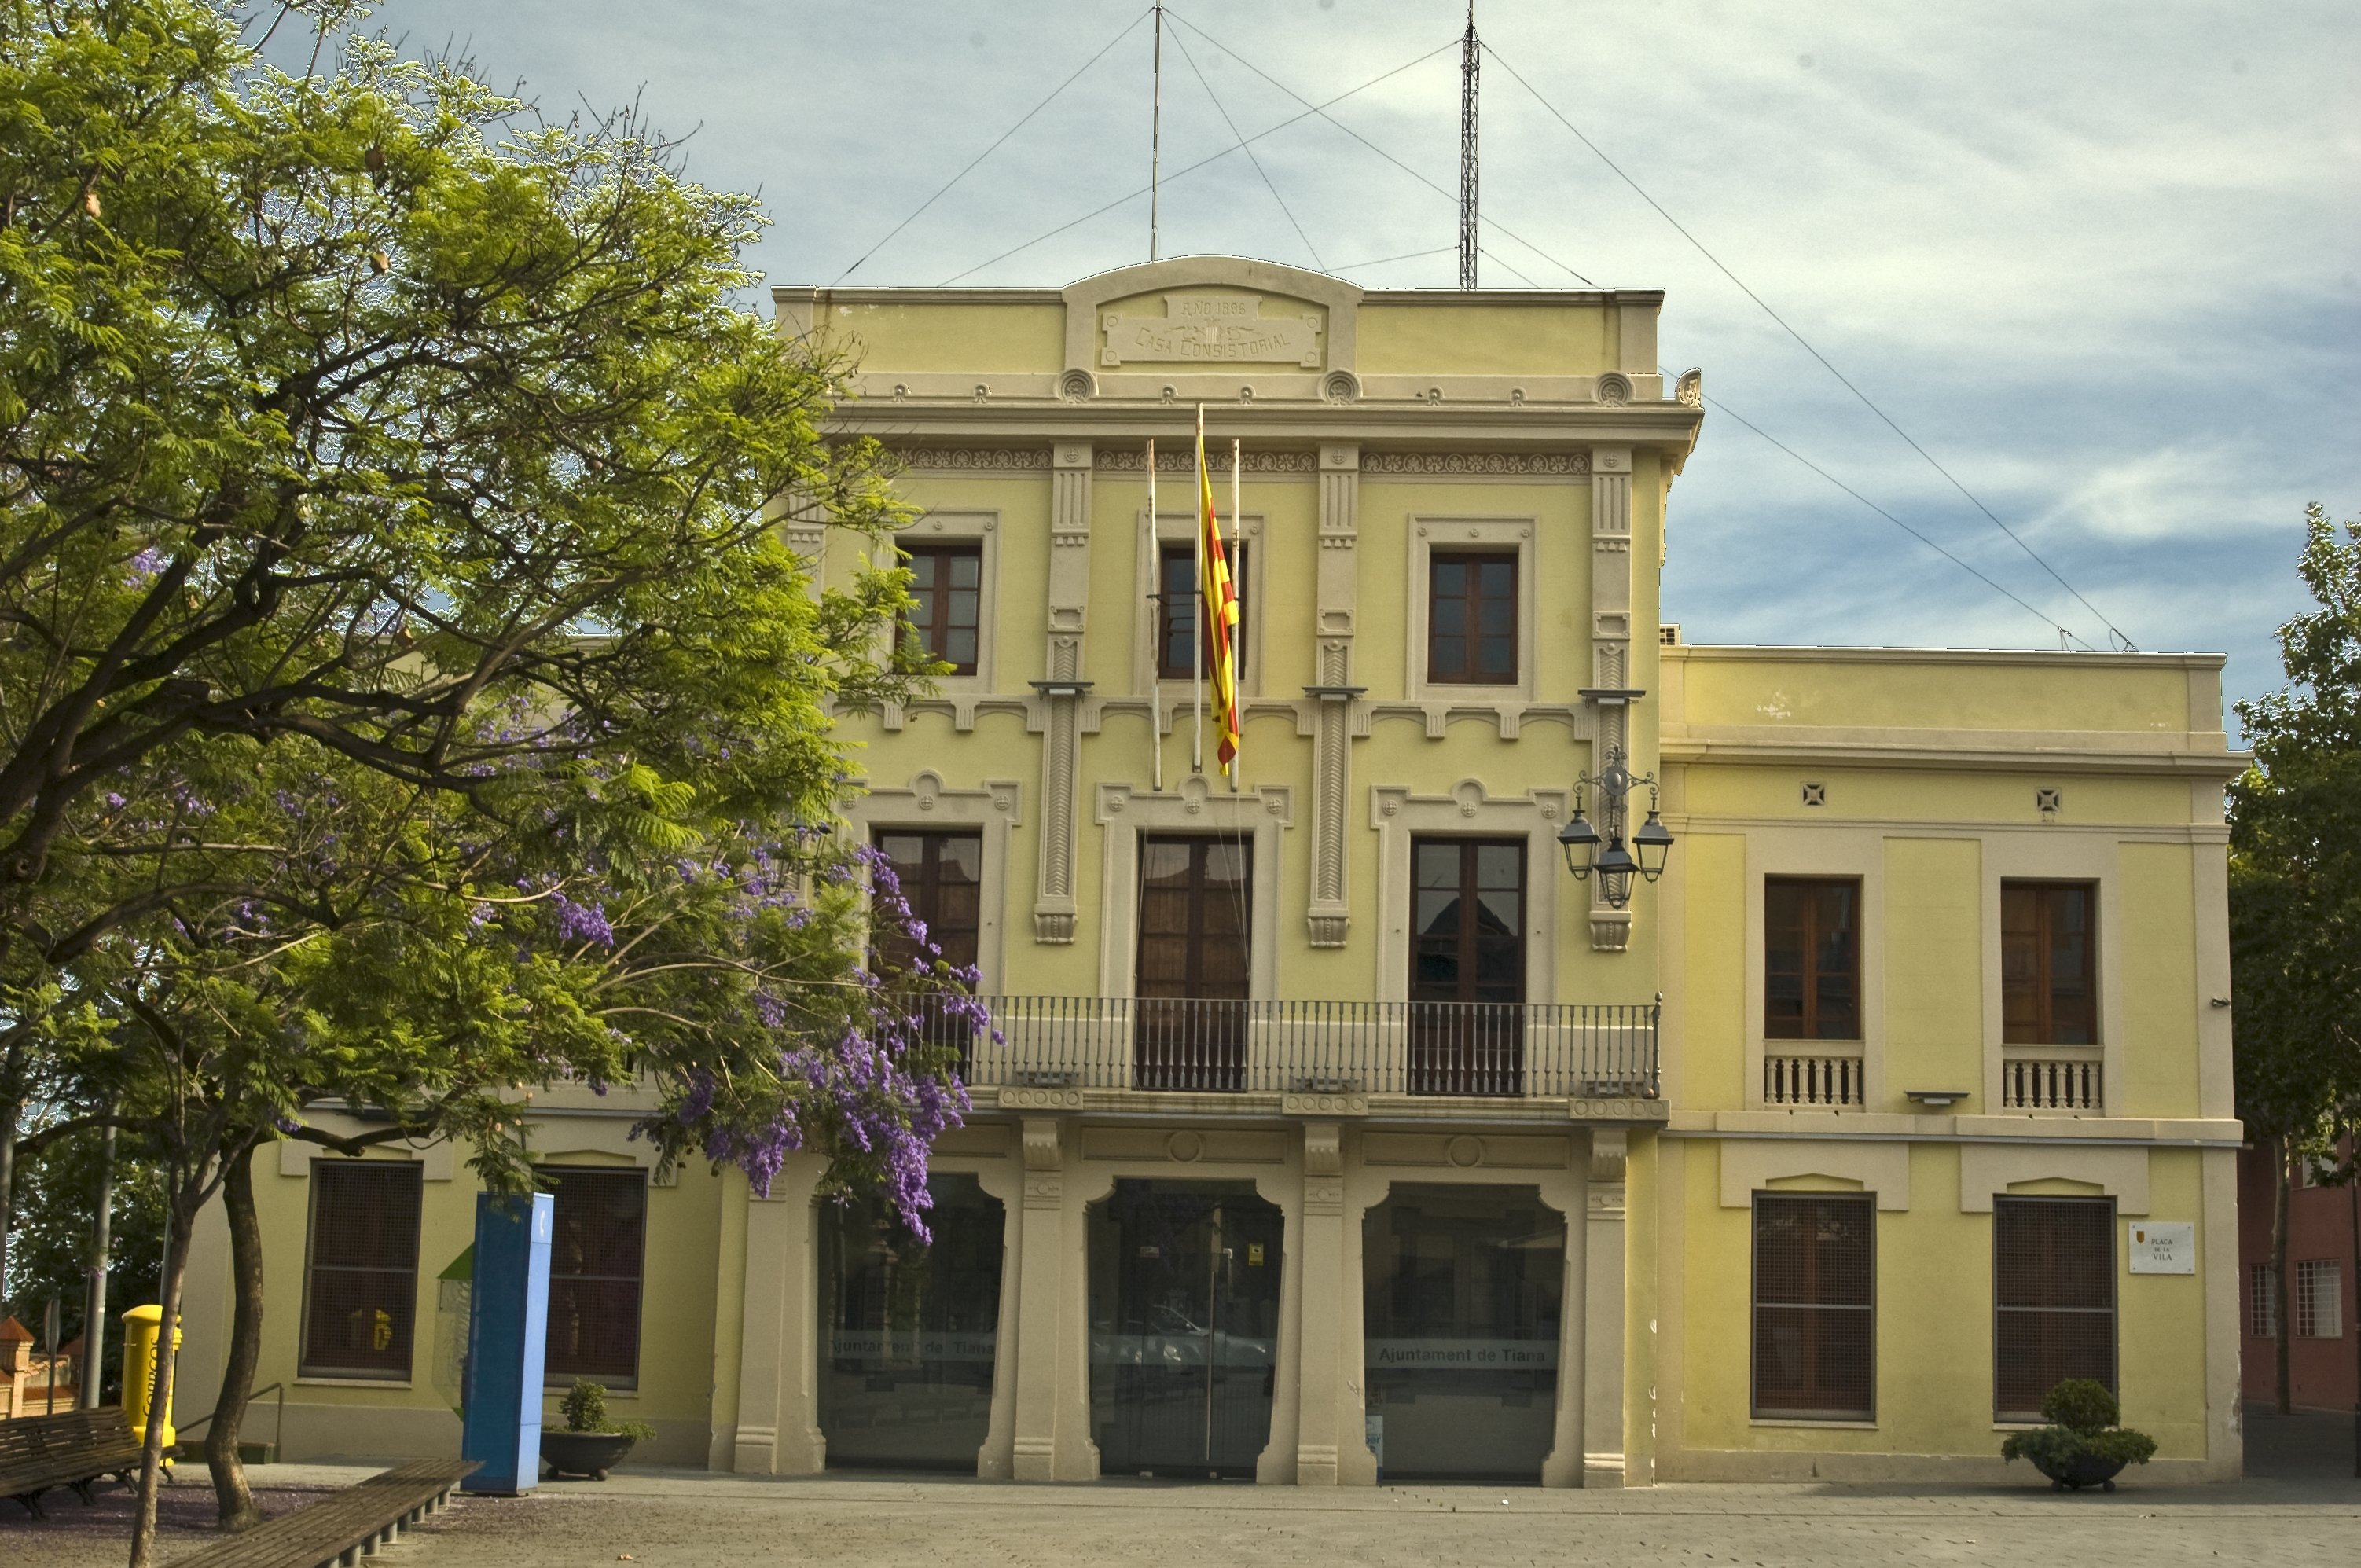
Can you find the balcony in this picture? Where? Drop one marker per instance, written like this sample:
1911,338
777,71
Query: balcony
1418,1051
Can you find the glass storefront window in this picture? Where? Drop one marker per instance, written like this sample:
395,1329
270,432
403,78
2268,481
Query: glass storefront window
1462,1294
909,1332
1185,1327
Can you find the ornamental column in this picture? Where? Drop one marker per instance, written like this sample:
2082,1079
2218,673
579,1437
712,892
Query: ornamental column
1058,704
1610,648
1320,1374
1327,911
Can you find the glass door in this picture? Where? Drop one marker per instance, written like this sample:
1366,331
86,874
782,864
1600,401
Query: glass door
1467,966
1195,925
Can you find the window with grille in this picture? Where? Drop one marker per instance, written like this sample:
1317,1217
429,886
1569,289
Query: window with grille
1815,1307
2053,1298
597,1247
947,601
1811,958
2049,963
942,881
2262,1301
1471,619
360,1282
2319,1299
1179,644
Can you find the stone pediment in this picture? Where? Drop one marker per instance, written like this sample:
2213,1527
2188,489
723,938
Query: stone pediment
1210,312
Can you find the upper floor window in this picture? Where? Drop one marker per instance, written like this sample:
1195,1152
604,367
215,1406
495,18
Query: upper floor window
2320,1297
597,1247
360,1289
2049,963
942,881
1471,617
2053,1298
1811,958
946,594
1178,642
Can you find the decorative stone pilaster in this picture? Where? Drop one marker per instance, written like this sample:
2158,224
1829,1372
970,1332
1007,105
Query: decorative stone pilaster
1060,693
1603,1286
778,1404
1611,646
1332,762
1040,1292
1321,1378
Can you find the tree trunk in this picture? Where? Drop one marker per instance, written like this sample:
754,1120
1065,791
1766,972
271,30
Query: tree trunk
2282,1299
231,1495
151,1453
8,1111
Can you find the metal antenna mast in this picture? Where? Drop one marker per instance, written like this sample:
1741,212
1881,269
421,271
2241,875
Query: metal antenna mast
1156,128
1470,54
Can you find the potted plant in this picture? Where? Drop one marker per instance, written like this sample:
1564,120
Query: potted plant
591,1444
2081,1446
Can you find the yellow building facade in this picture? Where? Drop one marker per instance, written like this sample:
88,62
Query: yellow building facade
1337,1130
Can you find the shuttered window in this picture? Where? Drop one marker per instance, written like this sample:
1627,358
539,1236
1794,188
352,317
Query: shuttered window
2049,963
598,1248
1811,958
360,1285
1814,1306
2053,1298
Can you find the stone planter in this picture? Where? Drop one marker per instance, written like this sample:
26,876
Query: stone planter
591,1453
2082,1470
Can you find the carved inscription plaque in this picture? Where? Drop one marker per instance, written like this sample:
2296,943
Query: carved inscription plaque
1216,329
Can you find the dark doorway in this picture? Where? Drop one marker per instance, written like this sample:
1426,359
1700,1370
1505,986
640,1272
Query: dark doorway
1467,966
909,1332
1463,1290
1185,1327
1195,926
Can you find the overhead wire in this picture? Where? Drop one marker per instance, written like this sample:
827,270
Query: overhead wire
1448,195
1182,45
1406,255
1865,399
1212,157
987,152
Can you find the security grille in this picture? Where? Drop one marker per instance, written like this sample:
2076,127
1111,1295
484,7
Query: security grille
2319,1296
596,1267
2262,1301
1815,1307
361,1283
2053,1299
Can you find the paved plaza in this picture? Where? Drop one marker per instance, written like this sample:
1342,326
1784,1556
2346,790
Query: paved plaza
2305,1508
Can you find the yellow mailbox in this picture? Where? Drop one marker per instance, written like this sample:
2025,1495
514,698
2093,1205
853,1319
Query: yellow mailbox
141,1328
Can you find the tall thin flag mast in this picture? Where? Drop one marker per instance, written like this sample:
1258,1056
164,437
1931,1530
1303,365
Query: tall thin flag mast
1471,53
1161,618
1238,466
1197,626
1156,129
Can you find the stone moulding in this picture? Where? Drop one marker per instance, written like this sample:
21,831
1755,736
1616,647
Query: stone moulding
975,459
1179,455
1476,462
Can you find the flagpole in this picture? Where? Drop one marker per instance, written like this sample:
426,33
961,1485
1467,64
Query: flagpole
1156,627
1237,703
1156,129
1197,620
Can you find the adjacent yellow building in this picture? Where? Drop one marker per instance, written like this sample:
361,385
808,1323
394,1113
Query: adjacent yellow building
1340,1131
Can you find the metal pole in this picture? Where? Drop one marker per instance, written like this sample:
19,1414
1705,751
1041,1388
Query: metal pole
2353,1192
1197,620
1230,567
1155,132
1156,595
94,1313
51,1322
1470,58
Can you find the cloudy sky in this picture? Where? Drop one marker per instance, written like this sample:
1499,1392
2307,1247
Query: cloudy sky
2103,260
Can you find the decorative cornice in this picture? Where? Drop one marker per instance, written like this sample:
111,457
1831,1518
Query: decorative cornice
1183,460
1476,463
1024,459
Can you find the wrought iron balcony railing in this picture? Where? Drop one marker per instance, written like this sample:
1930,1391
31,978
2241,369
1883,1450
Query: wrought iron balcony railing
1532,1050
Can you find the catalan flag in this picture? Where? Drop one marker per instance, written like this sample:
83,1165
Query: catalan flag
1220,597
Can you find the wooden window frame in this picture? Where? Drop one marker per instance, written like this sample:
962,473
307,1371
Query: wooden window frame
934,633
930,885
1756,1409
325,1174
2004,1208
2043,1030
1194,937
1467,846
555,1377
1468,673
1242,646
1808,1027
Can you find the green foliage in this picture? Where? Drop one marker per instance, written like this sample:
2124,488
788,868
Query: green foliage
2296,863
2082,1415
585,1408
50,1248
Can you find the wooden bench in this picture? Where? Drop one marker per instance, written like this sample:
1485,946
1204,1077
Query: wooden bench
71,1449
342,1529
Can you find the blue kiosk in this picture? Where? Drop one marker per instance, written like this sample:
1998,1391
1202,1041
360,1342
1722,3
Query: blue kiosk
508,1328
